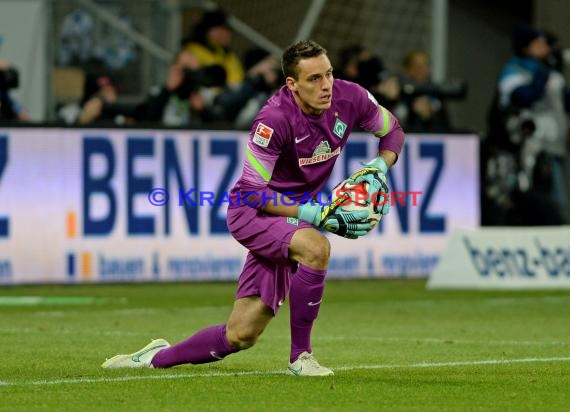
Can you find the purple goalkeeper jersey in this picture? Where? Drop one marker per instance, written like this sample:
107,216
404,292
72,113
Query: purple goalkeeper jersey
294,153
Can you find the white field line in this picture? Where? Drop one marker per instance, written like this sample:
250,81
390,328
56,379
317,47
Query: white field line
385,339
515,300
128,312
395,339
281,372
18,331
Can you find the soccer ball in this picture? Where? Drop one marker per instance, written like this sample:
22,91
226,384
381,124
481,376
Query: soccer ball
356,197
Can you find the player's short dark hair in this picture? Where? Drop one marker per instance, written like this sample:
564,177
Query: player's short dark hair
304,49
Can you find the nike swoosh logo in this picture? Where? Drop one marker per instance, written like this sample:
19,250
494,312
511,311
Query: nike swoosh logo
314,303
300,139
137,356
215,355
296,371
280,303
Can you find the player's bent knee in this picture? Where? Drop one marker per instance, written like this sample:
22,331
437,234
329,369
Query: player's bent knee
247,321
241,340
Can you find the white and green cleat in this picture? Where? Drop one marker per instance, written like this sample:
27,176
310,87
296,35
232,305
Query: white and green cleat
139,359
307,365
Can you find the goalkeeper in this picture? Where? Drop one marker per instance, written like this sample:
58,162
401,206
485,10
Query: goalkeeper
294,143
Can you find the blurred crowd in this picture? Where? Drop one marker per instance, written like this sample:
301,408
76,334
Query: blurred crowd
208,83
523,153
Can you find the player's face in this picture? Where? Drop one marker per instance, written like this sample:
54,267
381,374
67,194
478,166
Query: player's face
313,87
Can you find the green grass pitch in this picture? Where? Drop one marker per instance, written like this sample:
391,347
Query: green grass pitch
393,344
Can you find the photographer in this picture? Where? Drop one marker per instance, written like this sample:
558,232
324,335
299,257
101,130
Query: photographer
10,110
240,104
359,65
528,124
179,102
99,96
423,104
211,44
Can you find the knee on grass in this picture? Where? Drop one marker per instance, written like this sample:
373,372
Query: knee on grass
242,339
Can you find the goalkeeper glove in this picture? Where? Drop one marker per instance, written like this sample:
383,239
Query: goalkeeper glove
374,173
348,224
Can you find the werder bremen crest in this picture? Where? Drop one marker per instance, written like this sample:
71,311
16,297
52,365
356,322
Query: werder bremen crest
339,128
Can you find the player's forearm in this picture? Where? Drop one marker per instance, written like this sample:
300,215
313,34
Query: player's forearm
389,157
269,201
281,205
392,143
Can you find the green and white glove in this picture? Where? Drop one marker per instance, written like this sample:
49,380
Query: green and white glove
374,173
348,224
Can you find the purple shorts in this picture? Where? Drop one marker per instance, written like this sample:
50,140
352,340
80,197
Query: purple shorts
267,270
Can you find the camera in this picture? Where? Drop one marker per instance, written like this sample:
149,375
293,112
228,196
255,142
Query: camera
209,76
9,79
450,90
